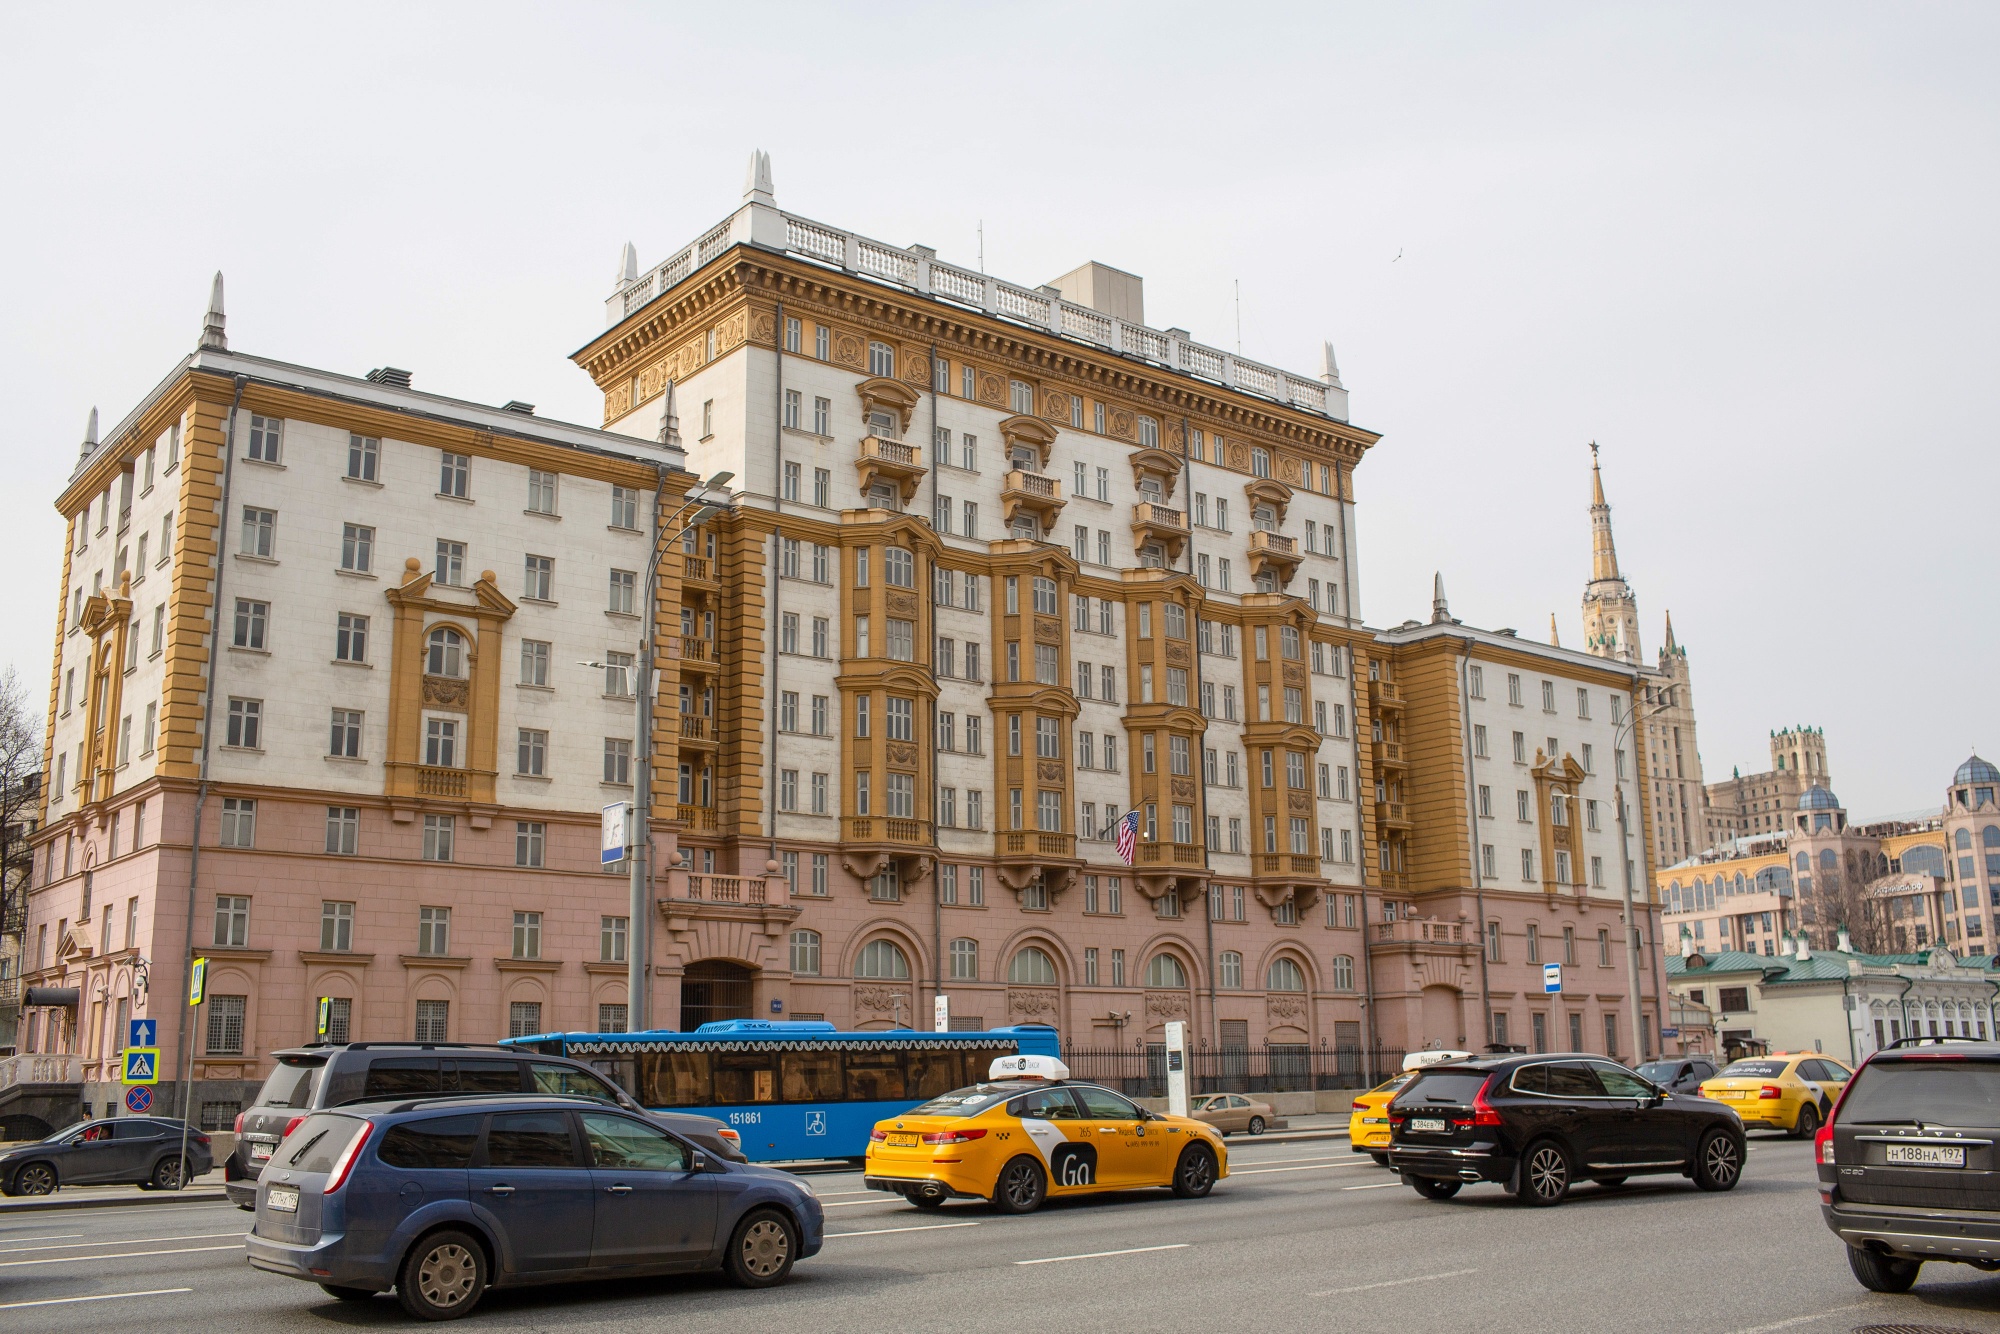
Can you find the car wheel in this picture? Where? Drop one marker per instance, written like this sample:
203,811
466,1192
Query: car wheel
1020,1187
762,1251
442,1277
1544,1174
338,1293
1610,1183
1882,1273
1381,1159
1256,1125
1807,1123
1719,1163
1194,1174
35,1179
167,1173
1433,1189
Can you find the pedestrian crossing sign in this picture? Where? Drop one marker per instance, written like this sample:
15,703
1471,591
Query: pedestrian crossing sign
142,1065
197,981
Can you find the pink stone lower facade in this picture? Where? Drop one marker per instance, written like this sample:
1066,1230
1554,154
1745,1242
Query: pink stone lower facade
476,948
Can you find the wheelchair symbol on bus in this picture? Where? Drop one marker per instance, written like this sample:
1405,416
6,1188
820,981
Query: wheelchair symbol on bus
815,1123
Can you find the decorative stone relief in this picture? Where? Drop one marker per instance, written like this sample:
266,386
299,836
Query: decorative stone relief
766,328
901,603
1049,771
446,692
1184,788
1177,653
1239,456
1288,469
992,389
1282,1006
1123,424
916,367
1295,675
882,999
847,350
1048,630
1166,1004
902,754
1032,1005
1055,406
1299,803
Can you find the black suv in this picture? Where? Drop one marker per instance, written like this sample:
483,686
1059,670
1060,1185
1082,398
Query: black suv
313,1078
1908,1168
1538,1124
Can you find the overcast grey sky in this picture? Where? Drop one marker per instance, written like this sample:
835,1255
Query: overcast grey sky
1749,250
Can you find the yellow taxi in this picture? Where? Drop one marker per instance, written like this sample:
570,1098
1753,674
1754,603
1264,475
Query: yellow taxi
1029,1133
1368,1123
1792,1091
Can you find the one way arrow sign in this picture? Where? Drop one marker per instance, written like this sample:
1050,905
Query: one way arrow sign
144,1033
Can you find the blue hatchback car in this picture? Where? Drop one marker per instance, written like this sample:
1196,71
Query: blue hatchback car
440,1199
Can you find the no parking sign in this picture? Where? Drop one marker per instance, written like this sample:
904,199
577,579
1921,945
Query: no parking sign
138,1099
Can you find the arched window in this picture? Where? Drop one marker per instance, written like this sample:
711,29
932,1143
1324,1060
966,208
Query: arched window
1803,862
1020,396
1924,859
1260,462
1229,970
964,960
1343,972
805,953
1164,972
1284,975
1739,882
898,567
1829,860
1990,836
1032,967
1149,433
445,652
882,958
1963,840
881,359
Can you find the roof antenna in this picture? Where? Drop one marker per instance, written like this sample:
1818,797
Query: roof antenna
982,245
1238,284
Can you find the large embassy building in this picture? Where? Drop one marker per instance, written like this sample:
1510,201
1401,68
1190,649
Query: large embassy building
1008,571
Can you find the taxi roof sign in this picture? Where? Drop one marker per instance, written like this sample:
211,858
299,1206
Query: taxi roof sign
1027,1067
1417,1060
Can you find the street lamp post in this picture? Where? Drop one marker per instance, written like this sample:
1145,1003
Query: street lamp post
638,830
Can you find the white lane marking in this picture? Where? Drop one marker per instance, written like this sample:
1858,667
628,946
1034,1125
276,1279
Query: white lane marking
1099,1255
1313,1158
856,1204
1802,1319
884,1231
127,1255
1393,1283
96,1297
1309,1167
837,1194
122,1241
1374,1185
48,1236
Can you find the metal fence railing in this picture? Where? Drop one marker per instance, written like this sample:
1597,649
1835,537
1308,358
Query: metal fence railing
1141,1071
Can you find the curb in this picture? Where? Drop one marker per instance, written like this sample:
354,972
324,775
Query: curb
195,1195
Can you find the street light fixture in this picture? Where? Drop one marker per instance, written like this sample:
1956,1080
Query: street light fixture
1629,728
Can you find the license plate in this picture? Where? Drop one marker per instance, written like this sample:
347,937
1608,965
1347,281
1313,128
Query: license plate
1431,1124
260,1153
1928,1155
1732,1093
902,1141
283,1200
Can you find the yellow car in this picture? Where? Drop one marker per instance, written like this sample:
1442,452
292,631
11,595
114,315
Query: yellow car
1792,1091
1018,1140
1368,1125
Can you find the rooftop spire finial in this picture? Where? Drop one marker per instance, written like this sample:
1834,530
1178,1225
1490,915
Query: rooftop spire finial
213,337
1555,640
628,264
1440,609
1329,369
1672,643
90,433
670,421
757,188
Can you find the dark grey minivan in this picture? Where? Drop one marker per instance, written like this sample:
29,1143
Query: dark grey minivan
315,1078
440,1199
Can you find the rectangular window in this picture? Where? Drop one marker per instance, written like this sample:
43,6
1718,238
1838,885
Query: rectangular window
623,592
246,724
433,1021
527,935
818,787
531,752
433,931
363,454
357,548
439,832
822,414
539,578
226,1016
530,841
624,507
344,741
232,921
617,760
541,492
454,471
350,638
260,532
251,618
266,440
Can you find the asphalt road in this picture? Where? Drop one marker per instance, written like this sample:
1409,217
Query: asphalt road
1303,1236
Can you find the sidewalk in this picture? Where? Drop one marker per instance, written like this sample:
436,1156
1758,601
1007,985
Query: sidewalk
202,1189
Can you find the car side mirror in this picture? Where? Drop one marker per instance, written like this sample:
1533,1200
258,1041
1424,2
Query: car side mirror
698,1162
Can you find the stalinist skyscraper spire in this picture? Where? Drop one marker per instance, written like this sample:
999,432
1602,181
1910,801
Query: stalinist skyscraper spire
1610,611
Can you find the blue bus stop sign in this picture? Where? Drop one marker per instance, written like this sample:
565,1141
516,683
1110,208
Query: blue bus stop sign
1552,978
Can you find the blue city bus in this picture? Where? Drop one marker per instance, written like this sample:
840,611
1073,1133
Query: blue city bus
793,1089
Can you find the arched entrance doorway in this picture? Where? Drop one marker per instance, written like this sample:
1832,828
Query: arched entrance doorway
713,989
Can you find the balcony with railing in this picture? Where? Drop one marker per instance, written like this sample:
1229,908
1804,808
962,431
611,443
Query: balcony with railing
1385,694
883,458
1170,854
698,729
888,829
1037,843
1274,553
724,888
433,781
696,819
1392,815
1390,753
1161,524
1024,492
698,653
1287,863
1424,931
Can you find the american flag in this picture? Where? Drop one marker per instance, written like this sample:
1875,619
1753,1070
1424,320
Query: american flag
1128,837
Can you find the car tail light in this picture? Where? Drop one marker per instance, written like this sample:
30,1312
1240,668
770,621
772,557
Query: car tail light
878,1135
1482,1110
1360,1106
345,1163
953,1136
1771,1091
239,1123
200,1138
292,1125
1823,1145
1396,1122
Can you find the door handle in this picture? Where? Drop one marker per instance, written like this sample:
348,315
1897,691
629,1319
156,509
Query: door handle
618,1190
499,1190
1107,1130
